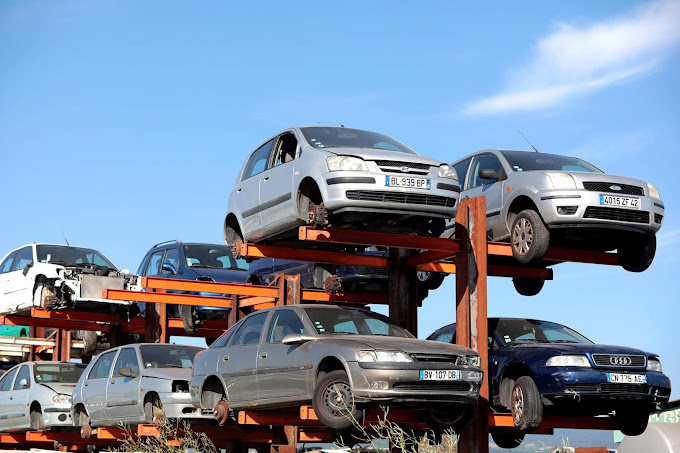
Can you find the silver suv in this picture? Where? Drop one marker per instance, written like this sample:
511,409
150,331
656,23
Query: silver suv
536,199
342,177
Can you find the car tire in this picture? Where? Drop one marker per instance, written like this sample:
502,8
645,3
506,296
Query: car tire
334,403
632,419
440,423
36,418
430,280
186,312
637,252
504,440
89,338
528,286
525,404
529,237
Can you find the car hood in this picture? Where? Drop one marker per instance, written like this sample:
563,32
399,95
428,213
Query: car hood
409,345
581,176
168,373
60,387
376,154
577,348
221,275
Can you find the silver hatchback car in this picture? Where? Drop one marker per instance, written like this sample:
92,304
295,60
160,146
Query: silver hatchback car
341,176
537,199
341,360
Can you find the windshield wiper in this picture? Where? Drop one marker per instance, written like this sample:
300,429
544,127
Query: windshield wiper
204,266
170,365
564,341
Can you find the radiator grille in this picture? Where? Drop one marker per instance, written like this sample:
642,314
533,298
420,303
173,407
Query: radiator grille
436,358
607,388
400,197
621,215
626,189
363,270
606,360
397,165
434,386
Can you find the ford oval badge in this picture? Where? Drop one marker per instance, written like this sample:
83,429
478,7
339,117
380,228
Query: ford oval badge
615,187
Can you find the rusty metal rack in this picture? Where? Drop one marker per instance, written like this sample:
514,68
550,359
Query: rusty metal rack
470,256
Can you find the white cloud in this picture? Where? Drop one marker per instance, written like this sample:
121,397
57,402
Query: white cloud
667,238
573,61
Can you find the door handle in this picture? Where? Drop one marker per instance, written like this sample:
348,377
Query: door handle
263,355
112,381
85,384
239,189
225,358
266,178
11,397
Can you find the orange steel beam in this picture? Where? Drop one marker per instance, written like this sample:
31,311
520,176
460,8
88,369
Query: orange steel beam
267,418
241,289
369,238
68,315
255,300
349,298
401,416
495,270
582,256
553,421
166,298
12,438
310,435
427,257
110,433
315,256
15,320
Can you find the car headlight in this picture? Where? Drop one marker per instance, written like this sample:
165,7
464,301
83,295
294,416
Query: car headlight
447,171
470,360
654,365
562,181
345,163
383,356
568,360
65,399
653,191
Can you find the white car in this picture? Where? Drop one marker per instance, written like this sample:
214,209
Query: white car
58,276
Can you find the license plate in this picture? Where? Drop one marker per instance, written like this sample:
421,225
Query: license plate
440,375
405,181
619,378
624,202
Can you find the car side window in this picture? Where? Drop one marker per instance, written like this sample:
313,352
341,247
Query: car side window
24,373
126,358
461,170
445,337
223,339
257,163
7,264
102,368
483,162
172,258
24,257
249,332
154,267
284,322
285,150
6,382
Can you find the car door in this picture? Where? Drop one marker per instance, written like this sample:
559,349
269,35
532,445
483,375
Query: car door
237,363
283,371
19,403
122,392
5,267
94,387
19,287
6,383
277,203
246,196
491,188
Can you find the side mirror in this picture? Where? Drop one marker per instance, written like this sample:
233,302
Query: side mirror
297,338
23,383
169,267
126,371
28,267
488,173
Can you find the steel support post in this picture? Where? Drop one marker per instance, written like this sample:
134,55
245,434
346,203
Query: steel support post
471,310
64,345
156,323
403,300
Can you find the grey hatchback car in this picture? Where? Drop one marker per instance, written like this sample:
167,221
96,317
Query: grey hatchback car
340,359
538,199
341,176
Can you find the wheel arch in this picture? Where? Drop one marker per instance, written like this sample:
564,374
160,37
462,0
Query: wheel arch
311,187
231,228
328,364
211,383
510,374
519,204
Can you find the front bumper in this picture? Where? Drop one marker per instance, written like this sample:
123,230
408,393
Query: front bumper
178,405
57,415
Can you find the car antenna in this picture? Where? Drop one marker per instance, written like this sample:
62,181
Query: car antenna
328,122
65,238
520,133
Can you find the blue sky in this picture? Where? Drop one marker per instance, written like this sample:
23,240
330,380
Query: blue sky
123,124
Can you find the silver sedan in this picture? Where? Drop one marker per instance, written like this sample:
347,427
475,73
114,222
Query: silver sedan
135,384
341,176
37,395
342,360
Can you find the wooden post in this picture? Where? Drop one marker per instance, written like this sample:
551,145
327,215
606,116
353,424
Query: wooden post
471,310
403,298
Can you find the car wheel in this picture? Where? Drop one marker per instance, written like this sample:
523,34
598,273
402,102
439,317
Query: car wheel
153,412
36,418
529,237
526,405
334,403
83,421
637,252
186,312
528,286
455,420
430,280
89,338
504,440
632,419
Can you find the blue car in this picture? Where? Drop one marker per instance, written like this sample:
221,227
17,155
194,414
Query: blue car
540,366
205,262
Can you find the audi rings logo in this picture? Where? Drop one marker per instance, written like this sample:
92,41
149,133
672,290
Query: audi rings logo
618,360
404,169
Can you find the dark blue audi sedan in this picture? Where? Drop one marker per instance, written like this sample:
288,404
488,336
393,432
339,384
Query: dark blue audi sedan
540,366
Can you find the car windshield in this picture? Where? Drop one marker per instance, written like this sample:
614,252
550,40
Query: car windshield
213,257
511,330
168,356
65,254
342,137
63,373
529,161
349,321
